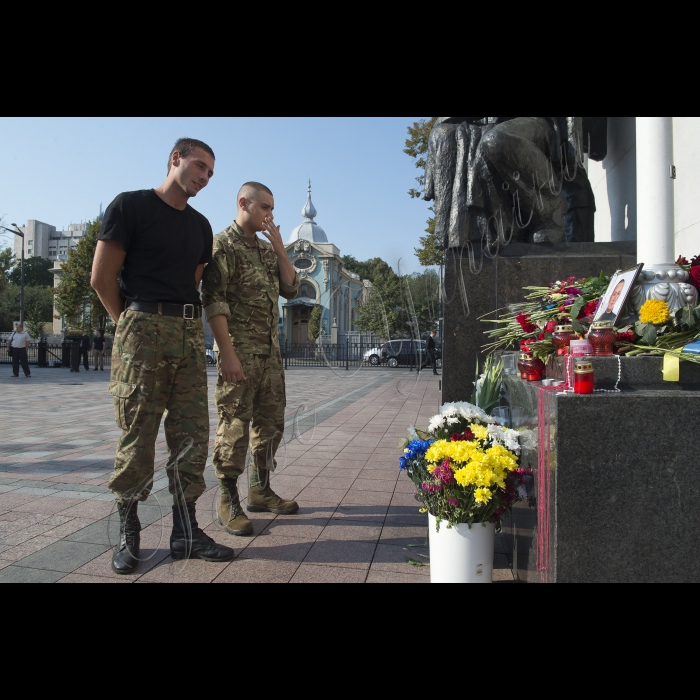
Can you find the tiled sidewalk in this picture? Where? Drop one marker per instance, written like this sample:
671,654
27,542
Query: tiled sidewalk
358,514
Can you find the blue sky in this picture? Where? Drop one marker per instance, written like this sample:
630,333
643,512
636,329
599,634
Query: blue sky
58,170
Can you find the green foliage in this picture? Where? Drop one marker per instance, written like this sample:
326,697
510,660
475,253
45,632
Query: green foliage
315,323
487,386
428,254
38,308
417,147
7,261
398,307
36,273
75,298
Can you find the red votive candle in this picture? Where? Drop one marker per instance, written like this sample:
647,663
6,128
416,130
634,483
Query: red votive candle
561,338
602,337
584,378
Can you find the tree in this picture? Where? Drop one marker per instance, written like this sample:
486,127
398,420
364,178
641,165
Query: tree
38,307
75,298
36,273
7,262
315,323
417,147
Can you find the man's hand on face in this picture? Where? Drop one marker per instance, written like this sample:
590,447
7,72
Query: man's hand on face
231,369
272,233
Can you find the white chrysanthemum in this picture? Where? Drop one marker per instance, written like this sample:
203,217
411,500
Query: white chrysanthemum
436,423
512,441
453,420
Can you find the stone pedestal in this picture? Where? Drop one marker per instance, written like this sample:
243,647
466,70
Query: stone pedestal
615,493
500,283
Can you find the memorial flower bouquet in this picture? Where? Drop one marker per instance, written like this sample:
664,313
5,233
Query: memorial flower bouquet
465,468
529,326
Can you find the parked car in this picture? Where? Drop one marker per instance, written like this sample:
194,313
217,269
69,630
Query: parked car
211,356
374,357
403,353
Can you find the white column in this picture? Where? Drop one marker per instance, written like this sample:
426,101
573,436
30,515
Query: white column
655,188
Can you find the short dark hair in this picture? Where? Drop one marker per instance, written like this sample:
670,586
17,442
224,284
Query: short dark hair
255,186
185,146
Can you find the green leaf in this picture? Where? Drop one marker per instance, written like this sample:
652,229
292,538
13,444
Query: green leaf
577,307
688,317
639,328
650,335
578,328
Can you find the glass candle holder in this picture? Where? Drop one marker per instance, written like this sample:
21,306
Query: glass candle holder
521,365
584,378
602,338
535,370
561,338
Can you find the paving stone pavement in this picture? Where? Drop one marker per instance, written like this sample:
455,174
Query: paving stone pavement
339,460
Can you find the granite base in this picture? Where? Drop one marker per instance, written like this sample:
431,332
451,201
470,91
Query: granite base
622,499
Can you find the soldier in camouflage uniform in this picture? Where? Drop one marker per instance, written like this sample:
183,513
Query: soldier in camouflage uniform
242,286
158,245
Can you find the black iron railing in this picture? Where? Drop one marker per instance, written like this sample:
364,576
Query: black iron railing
340,356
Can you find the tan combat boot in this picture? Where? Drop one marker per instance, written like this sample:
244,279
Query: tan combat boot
262,499
231,515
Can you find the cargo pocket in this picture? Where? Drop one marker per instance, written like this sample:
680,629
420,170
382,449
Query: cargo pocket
123,411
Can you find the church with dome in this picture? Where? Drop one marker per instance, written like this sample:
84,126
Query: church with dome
324,282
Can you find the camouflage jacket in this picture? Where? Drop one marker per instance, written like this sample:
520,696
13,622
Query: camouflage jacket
243,283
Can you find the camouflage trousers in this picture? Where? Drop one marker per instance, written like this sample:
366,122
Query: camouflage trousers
250,413
159,369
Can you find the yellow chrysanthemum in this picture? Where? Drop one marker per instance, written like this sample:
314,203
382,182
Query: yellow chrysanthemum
479,431
482,496
655,311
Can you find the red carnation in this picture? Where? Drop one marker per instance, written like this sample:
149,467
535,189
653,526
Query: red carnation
525,324
630,337
589,309
695,275
695,262
551,327
682,261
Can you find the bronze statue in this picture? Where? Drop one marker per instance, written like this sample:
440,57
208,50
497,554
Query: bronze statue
496,179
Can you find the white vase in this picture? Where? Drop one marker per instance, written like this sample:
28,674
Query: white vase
461,555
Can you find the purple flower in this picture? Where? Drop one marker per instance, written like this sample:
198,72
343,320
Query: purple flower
444,474
453,502
429,488
573,291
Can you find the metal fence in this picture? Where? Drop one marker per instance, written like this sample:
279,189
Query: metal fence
340,356
55,356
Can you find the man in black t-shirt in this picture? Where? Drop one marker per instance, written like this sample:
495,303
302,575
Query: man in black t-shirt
98,351
158,246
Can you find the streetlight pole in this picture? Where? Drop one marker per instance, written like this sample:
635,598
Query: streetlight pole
21,289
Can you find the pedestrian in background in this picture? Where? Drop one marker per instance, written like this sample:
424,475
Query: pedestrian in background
98,351
148,266
19,344
430,354
85,346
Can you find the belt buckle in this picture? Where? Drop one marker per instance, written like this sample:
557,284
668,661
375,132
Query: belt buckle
184,313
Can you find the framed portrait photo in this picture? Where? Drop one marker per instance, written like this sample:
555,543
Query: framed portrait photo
613,303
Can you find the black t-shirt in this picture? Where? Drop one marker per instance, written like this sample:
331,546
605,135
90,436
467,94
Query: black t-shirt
99,343
164,246
430,344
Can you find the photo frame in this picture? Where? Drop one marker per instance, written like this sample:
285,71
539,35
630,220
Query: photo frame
613,302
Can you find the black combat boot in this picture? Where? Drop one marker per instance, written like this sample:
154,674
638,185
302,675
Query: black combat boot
189,541
126,557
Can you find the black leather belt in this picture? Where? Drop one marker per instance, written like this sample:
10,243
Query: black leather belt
189,312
